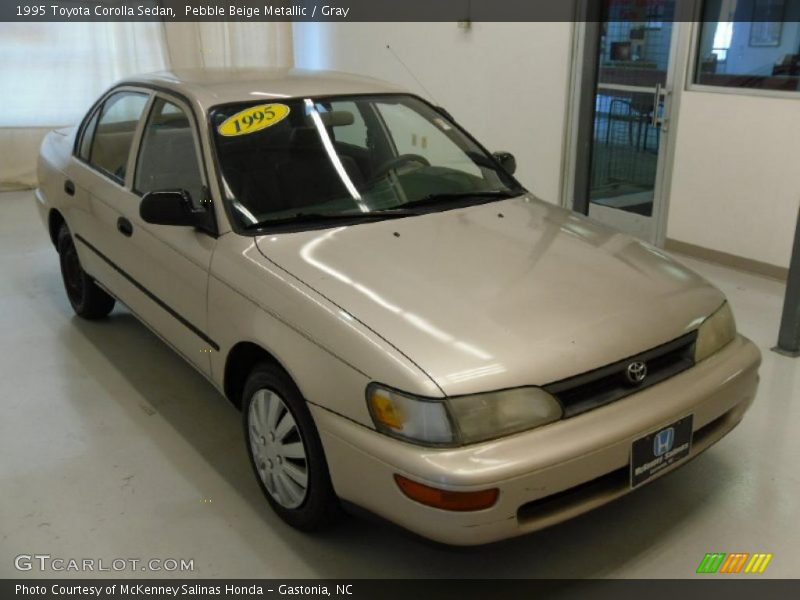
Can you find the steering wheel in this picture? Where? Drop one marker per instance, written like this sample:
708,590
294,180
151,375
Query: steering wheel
397,161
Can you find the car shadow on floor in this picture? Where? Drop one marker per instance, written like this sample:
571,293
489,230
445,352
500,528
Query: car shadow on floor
596,544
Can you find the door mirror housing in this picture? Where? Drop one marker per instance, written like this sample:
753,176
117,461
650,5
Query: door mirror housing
507,161
172,207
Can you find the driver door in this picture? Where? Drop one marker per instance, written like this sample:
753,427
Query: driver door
170,263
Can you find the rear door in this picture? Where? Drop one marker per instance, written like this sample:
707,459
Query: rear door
97,181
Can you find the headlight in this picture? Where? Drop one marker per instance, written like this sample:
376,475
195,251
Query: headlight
409,417
462,419
717,331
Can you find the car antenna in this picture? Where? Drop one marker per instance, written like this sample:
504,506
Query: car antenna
410,72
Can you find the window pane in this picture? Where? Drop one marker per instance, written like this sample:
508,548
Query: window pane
115,131
168,158
750,44
414,134
347,156
353,133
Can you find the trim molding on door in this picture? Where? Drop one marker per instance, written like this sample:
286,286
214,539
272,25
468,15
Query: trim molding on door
150,294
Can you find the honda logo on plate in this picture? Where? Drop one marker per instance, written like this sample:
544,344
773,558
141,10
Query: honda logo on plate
664,441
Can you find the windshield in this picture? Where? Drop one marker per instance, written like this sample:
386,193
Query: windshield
363,157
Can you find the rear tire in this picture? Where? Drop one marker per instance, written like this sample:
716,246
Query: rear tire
285,450
87,299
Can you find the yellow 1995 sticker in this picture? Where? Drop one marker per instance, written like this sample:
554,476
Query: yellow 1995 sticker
253,119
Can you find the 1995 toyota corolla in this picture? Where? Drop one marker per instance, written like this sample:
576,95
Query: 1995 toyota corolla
404,327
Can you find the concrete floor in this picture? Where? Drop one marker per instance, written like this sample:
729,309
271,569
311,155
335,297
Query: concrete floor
111,446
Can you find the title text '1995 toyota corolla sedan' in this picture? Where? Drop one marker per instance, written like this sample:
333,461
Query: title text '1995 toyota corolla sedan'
404,327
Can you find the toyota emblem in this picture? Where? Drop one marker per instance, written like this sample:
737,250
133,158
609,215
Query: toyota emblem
636,372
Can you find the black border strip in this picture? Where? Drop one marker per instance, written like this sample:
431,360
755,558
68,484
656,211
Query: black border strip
357,11
150,294
739,587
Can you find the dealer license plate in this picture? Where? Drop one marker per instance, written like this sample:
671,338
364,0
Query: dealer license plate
656,451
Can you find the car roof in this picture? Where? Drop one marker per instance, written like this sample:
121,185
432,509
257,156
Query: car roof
210,87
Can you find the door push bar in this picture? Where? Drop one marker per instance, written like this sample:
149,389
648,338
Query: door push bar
659,118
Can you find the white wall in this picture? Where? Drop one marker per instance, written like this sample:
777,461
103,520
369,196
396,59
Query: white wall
507,83
75,62
736,179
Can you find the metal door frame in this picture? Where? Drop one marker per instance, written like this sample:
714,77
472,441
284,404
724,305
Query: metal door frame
581,107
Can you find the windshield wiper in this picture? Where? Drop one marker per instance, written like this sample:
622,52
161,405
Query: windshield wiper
306,218
482,196
398,212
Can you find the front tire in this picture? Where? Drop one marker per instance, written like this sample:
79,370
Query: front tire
87,299
285,450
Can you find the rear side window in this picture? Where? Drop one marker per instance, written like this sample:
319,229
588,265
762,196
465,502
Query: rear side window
114,133
168,158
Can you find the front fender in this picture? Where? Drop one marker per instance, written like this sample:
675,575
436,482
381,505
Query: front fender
330,355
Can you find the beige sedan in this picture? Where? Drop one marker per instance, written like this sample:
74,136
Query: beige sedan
404,327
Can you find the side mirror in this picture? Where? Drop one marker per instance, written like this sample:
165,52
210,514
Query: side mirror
507,161
171,207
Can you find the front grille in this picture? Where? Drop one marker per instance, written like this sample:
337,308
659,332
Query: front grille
607,384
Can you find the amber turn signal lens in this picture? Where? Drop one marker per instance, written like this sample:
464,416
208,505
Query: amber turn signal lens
387,412
447,500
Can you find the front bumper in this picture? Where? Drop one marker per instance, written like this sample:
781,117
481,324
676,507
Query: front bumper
546,475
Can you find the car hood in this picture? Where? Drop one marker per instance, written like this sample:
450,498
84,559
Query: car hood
499,295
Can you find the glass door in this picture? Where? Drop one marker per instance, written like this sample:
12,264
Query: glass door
630,114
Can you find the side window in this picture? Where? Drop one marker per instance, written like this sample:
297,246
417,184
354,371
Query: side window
114,132
87,136
168,158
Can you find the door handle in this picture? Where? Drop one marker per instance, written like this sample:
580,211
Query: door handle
659,118
69,187
124,227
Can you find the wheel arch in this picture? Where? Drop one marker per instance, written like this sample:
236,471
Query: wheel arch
241,360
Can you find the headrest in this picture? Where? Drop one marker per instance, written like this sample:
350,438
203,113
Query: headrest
336,118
